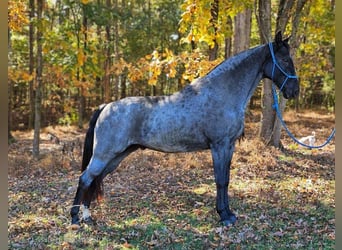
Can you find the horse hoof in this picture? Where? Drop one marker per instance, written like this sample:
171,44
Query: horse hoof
75,221
89,221
230,221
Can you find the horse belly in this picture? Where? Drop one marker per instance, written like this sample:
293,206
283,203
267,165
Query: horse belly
174,136
171,144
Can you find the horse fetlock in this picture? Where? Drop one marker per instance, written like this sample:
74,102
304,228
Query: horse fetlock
227,216
230,221
85,213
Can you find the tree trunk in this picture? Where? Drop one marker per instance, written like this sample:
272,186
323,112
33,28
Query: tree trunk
295,40
106,80
9,112
123,85
267,117
214,17
242,31
116,52
31,64
39,81
270,130
81,99
285,6
228,41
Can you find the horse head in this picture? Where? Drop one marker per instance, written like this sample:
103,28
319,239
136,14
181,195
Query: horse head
280,69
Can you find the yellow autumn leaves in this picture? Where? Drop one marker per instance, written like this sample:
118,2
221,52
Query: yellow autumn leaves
199,24
187,66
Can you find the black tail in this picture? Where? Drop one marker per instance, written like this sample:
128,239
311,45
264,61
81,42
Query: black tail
96,188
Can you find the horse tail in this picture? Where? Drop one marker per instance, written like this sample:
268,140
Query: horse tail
95,190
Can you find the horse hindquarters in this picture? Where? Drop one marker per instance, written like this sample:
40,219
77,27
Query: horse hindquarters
105,148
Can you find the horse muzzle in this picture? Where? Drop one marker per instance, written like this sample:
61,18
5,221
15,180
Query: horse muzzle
290,93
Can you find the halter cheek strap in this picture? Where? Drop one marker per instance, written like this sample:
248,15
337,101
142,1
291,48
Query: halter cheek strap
275,64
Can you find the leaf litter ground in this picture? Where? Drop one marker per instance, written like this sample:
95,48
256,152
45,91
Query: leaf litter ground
283,198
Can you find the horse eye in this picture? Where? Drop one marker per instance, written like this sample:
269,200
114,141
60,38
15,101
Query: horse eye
286,60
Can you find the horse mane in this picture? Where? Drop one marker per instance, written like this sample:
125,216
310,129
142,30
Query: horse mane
232,62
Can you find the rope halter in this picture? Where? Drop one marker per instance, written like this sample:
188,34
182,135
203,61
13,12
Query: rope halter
275,64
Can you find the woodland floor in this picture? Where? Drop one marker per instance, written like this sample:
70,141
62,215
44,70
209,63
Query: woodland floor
284,199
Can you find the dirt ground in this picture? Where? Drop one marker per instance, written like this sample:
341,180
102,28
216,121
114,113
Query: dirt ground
283,198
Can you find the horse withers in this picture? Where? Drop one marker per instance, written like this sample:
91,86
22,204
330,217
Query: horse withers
206,114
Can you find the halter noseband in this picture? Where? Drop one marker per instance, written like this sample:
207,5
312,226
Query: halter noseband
275,63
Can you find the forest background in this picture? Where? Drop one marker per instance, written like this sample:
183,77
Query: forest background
67,57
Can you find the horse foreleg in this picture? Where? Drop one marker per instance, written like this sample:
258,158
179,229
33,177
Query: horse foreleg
222,153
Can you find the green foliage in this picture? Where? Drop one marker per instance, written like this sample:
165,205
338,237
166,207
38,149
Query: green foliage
316,54
68,119
157,44
197,23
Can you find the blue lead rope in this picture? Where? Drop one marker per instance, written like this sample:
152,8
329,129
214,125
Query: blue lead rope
276,103
276,108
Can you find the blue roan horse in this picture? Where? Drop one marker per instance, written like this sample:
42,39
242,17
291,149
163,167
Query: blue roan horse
207,114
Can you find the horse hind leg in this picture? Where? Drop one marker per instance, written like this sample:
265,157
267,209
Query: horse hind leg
90,184
94,169
94,192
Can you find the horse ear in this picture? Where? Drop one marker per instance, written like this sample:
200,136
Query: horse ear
287,39
278,38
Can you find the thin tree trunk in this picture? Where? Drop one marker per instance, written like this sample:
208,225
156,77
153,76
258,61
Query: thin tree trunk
106,79
39,82
214,17
270,129
228,41
285,6
10,89
263,14
123,85
295,40
81,99
31,64
116,52
242,31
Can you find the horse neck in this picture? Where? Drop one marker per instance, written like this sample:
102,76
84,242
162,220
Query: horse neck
240,75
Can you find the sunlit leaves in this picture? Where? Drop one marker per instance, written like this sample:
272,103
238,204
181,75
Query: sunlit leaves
19,76
188,66
316,53
17,18
197,23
